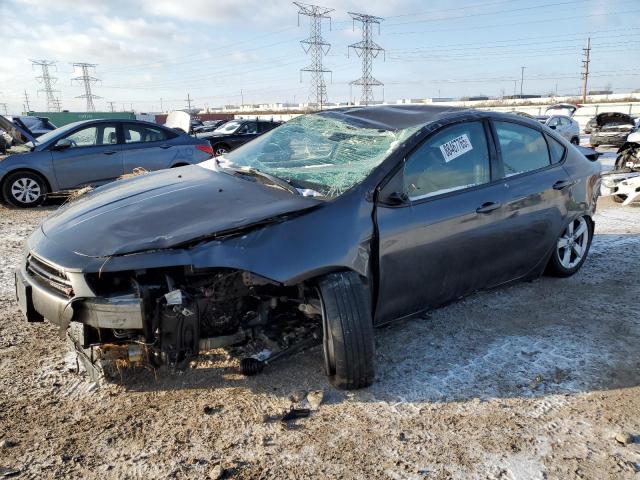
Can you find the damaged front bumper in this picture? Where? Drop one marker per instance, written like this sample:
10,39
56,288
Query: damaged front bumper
38,301
625,185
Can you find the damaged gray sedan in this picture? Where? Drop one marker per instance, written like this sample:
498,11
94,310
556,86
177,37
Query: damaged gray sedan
329,225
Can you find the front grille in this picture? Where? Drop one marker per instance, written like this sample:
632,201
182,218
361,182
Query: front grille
49,275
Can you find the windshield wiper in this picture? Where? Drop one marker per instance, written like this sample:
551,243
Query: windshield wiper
254,172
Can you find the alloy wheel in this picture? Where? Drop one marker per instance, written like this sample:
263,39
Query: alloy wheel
26,190
573,243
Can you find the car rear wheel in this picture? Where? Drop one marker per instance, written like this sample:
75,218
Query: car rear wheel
571,248
24,189
349,350
220,149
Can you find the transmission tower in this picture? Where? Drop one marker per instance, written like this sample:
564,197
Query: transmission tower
316,47
4,106
87,81
26,102
585,69
112,106
47,82
367,49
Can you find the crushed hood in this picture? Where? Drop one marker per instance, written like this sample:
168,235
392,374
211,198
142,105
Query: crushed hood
19,134
180,120
613,118
165,209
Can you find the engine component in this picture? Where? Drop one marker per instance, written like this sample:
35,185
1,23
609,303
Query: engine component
250,366
179,331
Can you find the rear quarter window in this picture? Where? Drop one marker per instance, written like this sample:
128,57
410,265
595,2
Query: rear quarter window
556,149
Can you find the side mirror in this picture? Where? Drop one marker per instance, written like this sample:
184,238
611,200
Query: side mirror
397,199
552,127
63,144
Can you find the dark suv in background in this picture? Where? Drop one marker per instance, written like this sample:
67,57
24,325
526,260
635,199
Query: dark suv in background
236,132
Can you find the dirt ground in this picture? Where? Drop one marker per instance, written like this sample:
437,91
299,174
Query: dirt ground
531,381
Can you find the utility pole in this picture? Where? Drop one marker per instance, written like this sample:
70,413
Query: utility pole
47,82
26,101
87,80
161,109
521,79
515,84
112,106
4,108
316,47
585,69
241,99
188,100
367,49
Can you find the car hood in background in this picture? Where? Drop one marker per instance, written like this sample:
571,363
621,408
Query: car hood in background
179,120
567,109
165,209
19,134
613,118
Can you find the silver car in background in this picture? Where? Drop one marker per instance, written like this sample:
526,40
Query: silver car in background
89,153
565,126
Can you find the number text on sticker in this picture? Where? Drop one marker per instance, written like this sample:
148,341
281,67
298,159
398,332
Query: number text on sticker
456,147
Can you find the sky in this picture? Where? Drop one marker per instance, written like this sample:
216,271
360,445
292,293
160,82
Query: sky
232,51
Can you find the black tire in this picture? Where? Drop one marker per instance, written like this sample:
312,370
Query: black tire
220,149
35,195
555,267
594,145
575,141
619,198
349,348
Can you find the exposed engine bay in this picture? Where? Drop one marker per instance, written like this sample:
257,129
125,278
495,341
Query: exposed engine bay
152,318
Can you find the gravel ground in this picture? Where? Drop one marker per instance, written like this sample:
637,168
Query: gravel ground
531,381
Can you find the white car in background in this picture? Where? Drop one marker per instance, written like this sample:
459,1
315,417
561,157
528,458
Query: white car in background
564,125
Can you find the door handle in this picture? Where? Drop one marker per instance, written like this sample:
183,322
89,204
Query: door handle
110,152
165,146
561,184
488,207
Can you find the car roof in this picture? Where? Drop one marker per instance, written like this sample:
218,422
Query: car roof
393,117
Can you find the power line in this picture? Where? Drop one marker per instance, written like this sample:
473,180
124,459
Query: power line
585,69
47,82
317,48
366,49
87,80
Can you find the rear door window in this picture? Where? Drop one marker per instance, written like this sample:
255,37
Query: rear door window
143,133
523,149
249,127
453,159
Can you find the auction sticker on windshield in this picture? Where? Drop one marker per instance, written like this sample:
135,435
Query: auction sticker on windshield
456,147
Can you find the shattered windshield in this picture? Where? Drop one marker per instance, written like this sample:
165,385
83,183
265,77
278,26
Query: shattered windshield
317,154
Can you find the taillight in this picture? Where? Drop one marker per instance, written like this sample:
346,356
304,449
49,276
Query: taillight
208,149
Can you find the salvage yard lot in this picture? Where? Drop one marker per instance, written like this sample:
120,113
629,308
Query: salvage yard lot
529,381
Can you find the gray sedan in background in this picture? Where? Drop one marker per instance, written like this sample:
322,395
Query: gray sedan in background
89,153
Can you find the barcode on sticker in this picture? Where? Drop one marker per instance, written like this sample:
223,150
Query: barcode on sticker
456,147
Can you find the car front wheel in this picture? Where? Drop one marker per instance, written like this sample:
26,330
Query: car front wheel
349,350
571,248
24,189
